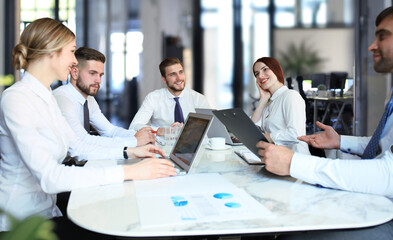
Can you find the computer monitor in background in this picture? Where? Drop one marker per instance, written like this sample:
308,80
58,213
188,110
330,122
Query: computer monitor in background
337,81
317,79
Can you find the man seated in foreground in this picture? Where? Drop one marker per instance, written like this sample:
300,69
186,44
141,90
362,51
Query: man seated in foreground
372,174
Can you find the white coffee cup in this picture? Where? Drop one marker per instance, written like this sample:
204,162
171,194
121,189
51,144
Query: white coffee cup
217,143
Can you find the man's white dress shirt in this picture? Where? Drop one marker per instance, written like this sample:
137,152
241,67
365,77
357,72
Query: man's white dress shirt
284,117
71,103
158,108
34,140
368,176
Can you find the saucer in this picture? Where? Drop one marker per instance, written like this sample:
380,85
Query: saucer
226,147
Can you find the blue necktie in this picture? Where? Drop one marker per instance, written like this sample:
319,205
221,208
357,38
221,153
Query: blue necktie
86,120
371,149
178,112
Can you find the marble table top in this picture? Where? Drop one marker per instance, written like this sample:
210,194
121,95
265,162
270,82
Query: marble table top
297,206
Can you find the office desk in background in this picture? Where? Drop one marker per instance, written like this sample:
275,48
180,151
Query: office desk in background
297,206
332,102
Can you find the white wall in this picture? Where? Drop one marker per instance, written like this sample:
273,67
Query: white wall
335,45
157,17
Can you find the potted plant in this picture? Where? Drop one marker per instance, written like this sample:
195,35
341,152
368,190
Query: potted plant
322,90
300,60
30,228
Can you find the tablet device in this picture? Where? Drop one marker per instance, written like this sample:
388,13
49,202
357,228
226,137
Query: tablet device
241,125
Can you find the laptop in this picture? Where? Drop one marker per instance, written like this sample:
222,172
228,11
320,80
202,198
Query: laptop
218,129
190,139
237,121
188,144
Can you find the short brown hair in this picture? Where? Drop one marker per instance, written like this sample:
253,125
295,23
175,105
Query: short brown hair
385,13
168,62
84,54
274,65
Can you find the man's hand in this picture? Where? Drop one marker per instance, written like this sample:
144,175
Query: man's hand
177,124
149,169
328,139
277,158
144,151
161,132
145,136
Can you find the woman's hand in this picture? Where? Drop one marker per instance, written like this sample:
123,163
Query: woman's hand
264,95
144,151
149,168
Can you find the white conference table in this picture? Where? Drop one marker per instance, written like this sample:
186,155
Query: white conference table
298,206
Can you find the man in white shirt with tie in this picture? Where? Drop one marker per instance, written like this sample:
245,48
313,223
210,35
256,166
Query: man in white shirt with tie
168,106
372,174
78,106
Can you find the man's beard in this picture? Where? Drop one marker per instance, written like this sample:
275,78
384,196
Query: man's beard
173,88
86,89
383,66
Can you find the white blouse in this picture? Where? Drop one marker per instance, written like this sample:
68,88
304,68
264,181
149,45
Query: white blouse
34,140
284,117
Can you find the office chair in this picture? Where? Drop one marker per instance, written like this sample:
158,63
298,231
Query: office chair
289,82
309,118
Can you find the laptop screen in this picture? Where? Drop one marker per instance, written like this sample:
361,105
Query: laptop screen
190,139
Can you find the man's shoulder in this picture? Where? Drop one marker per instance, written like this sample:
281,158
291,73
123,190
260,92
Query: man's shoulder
156,93
192,92
60,90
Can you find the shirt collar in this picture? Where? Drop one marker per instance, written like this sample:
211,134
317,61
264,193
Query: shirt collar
75,94
277,93
37,87
170,95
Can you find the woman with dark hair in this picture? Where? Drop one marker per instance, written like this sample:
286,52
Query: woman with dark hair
281,112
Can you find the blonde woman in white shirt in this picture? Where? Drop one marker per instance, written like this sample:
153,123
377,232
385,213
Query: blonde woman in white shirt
35,137
280,111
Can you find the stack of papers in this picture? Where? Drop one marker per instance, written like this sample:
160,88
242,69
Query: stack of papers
249,156
193,199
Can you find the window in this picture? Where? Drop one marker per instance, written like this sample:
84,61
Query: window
217,24
34,9
313,13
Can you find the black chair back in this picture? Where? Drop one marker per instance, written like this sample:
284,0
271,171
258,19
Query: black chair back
289,82
317,79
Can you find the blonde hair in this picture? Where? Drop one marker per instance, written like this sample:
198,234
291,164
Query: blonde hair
43,36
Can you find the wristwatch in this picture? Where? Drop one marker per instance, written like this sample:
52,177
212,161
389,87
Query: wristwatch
125,154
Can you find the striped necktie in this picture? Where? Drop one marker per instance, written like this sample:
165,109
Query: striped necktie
372,147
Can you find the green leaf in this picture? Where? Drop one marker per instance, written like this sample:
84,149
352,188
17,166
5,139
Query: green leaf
300,60
33,227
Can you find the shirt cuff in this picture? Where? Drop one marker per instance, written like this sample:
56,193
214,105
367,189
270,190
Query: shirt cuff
131,142
114,174
349,144
303,167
